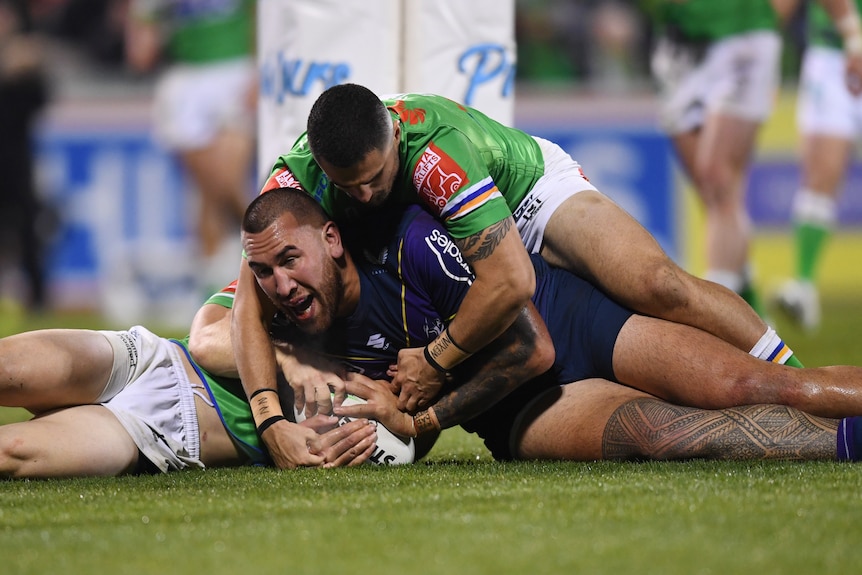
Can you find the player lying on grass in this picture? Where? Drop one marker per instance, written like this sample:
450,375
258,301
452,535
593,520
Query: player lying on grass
622,385
501,194
115,402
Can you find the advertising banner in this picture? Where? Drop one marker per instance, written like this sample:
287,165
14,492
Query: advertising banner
462,50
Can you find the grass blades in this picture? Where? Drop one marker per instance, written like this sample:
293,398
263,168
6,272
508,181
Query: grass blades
458,512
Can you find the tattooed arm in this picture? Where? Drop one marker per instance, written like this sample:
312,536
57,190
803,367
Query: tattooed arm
523,352
504,283
647,428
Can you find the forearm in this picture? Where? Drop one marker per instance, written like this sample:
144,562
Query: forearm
505,281
253,350
523,352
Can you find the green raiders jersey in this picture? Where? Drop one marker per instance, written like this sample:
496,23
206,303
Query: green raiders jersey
709,20
229,396
469,170
203,31
820,29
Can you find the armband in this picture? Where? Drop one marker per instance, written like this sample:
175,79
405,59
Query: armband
269,422
425,421
455,343
261,390
444,354
433,363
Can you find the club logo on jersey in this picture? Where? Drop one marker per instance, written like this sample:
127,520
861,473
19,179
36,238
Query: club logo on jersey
433,327
379,258
409,116
437,177
283,178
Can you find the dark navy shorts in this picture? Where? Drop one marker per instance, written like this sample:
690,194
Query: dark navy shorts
583,323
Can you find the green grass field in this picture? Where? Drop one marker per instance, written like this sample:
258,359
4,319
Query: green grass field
457,512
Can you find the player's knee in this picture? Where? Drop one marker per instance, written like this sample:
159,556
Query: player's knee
665,289
715,181
14,453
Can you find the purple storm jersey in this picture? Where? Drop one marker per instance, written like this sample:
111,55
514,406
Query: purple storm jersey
412,280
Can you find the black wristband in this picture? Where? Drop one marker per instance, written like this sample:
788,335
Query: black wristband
433,363
267,423
261,390
455,343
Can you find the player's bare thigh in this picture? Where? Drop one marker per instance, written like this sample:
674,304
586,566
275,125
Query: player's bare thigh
593,237
47,369
87,440
569,422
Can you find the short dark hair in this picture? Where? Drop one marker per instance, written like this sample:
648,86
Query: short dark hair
347,122
265,209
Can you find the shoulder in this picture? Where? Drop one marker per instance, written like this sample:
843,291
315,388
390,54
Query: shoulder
297,169
427,247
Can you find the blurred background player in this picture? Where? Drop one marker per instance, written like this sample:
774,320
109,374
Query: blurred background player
830,122
718,65
24,93
204,110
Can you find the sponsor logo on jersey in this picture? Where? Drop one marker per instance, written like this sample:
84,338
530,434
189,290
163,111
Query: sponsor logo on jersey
437,177
377,341
283,178
445,249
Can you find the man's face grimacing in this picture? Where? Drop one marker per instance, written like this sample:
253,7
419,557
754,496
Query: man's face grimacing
295,265
369,181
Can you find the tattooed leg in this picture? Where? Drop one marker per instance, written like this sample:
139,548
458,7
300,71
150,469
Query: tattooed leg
647,428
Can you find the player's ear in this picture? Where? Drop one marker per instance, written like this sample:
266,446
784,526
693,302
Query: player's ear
396,131
332,237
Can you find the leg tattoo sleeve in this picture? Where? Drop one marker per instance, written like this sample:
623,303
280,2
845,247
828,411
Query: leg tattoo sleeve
652,429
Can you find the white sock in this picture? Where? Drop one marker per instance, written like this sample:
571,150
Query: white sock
770,347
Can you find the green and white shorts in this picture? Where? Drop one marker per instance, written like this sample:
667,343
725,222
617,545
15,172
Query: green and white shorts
150,394
738,75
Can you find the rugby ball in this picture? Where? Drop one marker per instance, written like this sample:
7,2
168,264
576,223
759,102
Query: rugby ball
390,449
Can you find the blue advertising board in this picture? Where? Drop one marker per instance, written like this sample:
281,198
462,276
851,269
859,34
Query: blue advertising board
126,245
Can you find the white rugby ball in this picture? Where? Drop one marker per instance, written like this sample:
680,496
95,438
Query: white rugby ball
390,449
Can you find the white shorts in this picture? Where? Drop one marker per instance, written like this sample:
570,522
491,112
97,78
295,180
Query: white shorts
194,103
825,104
738,76
150,394
563,178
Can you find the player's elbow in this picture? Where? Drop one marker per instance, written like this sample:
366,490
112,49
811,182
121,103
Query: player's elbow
543,354
543,358
515,290
535,347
